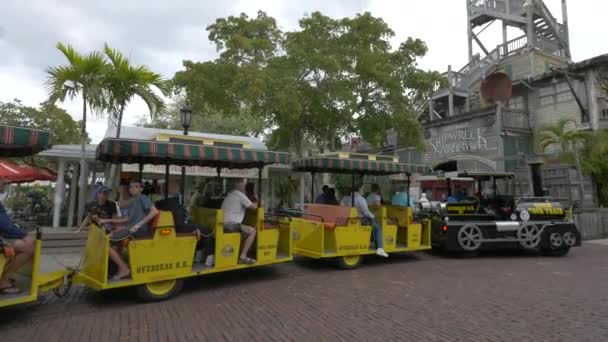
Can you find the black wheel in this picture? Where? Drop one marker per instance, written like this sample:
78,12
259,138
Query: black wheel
349,262
160,290
557,252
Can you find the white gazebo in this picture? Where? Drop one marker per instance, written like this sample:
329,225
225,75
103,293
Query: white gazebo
68,159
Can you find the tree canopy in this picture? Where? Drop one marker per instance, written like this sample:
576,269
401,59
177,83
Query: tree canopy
327,81
205,121
594,157
47,117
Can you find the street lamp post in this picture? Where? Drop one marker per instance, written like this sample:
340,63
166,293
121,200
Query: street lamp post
186,116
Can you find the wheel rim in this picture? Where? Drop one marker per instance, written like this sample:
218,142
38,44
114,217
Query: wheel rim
160,288
529,236
570,238
556,240
469,238
351,260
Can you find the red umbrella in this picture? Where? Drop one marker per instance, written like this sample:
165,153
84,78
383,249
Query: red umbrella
45,174
14,173
22,173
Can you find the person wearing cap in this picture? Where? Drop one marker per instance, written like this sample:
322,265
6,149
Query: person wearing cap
102,210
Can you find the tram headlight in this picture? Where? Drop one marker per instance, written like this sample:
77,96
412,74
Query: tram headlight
513,217
524,215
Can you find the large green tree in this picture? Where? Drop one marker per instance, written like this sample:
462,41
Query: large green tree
323,83
123,81
205,121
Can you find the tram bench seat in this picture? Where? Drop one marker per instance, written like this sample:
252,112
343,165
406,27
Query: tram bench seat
330,215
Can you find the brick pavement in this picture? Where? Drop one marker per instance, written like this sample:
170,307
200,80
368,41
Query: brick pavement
420,297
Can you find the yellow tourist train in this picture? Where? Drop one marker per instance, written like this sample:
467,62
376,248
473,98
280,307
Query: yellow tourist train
338,232
160,262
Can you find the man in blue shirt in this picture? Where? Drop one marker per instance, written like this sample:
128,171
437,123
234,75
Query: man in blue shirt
401,198
23,245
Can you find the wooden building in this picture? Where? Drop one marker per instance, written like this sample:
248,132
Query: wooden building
465,133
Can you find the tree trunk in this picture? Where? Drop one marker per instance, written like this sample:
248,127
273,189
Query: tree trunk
119,123
114,169
579,173
83,163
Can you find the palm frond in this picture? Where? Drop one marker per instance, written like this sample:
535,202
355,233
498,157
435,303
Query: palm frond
154,102
73,56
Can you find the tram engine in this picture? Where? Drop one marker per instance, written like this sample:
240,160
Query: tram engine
496,219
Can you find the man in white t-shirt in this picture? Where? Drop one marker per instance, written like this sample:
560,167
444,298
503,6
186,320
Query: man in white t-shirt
367,218
234,206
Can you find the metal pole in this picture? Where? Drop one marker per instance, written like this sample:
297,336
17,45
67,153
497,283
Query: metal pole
167,180
259,186
408,190
352,191
182,184
449,181
312,188
141,172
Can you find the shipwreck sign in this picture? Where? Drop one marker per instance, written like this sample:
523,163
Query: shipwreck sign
459,140
476,137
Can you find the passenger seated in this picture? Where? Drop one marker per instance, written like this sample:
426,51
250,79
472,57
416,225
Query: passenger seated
24,246
457,197
331,197
250,192
234,206
141,211
367,218
374,199
107,214
323,196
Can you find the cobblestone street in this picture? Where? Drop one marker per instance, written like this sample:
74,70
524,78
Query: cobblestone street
418,297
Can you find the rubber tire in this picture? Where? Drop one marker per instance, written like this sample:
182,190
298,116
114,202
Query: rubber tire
345,266
557,252
145,295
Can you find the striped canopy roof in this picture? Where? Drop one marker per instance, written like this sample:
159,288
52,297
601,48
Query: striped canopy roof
345,165
20,142
160,153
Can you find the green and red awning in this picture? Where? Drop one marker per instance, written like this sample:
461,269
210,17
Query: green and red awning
20,142
345,165
125,151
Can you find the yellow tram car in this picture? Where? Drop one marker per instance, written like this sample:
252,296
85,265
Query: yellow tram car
336,232
21,142
160,263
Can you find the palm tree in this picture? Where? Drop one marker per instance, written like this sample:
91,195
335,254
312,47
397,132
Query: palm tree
569,140
124,81
82,76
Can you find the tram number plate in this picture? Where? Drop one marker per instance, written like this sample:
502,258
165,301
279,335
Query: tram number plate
352,247
161,267
267,249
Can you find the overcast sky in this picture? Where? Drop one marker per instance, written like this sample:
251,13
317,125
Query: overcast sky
161,34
